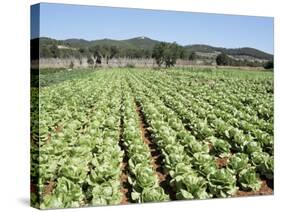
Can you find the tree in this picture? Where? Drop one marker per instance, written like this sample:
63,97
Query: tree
223,60
103,51
146,53
90,61
82,50
113,52
269,65
45,52
192,56
108,52
158,53
171,54
55,52
183,53
71,65
167,53
96,52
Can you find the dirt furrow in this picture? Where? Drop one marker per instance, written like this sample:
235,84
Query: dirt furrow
126,188
156,156
266,189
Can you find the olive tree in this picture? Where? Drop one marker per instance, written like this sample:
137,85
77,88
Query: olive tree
167,53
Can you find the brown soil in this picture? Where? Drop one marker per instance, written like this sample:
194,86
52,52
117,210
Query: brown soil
58,128
49,138
126,188
33,188
266,189
210,145
156,156
49,188
221,162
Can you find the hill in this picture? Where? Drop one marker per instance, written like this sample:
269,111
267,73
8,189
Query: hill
236,52
138,42
144,43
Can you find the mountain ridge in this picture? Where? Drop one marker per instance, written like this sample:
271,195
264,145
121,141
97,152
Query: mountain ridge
146,43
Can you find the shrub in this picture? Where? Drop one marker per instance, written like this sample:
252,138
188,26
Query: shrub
269,65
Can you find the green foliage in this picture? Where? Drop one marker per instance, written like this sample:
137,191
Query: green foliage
89,123
264,163
145,177
238,162
55,51
158,53
90,61
269,65
234,52
204,163
220,147
130,65
106,193
153,195
167,53
75,169
223,60
192,56
45,52
252,146
222,183
66,194
50,77
248,180
191,186
148,44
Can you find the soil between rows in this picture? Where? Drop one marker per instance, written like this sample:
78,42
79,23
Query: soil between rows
49,188
266,189
156,156
126,188
266,186
33,188
164,178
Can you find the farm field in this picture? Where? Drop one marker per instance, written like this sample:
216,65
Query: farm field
121,136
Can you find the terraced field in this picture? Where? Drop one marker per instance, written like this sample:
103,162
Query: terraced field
122,136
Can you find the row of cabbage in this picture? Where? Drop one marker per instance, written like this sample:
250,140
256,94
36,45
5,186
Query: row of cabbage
251,93
82,160
231,138
225,99
54,115
240,165
205,120
142,175
84,122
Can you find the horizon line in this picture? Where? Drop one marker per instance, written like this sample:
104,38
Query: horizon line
184,45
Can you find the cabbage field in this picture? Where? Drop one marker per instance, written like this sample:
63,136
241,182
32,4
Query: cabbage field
120,136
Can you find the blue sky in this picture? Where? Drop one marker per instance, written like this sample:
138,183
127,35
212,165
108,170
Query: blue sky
61,21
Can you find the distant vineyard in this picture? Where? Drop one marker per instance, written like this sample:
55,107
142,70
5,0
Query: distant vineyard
121,136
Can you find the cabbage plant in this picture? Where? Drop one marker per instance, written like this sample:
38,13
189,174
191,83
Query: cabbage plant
65,194
238,162
106,193
222,183
249,180
264,163
220,147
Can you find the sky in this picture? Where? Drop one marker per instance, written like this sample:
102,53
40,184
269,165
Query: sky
62,21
